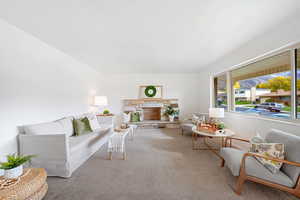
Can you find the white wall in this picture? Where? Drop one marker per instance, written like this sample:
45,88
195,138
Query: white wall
38,83
185,87
275,38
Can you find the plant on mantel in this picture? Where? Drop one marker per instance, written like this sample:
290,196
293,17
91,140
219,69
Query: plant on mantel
171,112
106,112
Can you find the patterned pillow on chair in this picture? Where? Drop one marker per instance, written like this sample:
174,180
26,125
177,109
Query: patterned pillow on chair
275,150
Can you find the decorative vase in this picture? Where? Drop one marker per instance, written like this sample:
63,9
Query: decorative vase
171,118
13,173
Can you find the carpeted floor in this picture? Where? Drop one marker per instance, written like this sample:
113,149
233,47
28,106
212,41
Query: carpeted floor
161,165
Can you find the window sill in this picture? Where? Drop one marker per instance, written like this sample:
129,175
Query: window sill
295,122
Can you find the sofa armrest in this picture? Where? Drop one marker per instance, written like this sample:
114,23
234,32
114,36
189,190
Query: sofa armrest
45,147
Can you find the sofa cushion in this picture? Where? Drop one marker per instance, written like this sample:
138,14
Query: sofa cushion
233,158
292,149
48,128
94,122
67,123
85,141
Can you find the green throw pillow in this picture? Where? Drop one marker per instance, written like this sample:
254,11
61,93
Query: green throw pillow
135,117
82,126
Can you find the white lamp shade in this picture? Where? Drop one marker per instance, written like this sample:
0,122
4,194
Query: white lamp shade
100,101
216,112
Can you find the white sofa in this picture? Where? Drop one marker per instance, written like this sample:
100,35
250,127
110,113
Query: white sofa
57,150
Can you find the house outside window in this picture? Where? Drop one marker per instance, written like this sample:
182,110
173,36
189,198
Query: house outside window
264,87
268,86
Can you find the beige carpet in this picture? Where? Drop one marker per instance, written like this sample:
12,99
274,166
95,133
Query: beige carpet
161,165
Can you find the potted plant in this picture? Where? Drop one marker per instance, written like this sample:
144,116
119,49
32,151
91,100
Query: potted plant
106,112
170,112
220,126
13,167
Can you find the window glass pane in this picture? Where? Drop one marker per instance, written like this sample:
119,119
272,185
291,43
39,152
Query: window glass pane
220,92
298,82
264,87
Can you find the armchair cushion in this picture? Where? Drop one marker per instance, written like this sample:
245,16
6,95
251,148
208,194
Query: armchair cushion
233,158
187,126
292,149
195,119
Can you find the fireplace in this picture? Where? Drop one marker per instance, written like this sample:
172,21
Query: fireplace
152,113
151,110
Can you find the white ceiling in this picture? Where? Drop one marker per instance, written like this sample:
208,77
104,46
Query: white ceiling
142,36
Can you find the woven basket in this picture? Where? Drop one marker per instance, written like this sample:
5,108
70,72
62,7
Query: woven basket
30,186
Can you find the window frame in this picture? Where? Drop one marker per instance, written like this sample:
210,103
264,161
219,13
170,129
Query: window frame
215,90
292,48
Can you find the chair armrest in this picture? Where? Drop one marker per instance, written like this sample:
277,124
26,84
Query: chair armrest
45,147
237,139
270,158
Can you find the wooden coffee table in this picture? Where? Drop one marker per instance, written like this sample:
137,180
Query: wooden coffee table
208,136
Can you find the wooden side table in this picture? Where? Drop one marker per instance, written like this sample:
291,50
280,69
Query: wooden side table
31,185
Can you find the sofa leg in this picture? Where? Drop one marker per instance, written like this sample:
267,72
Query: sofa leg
239,185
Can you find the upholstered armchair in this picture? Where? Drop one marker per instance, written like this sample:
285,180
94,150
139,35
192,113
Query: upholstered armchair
187,124
245,166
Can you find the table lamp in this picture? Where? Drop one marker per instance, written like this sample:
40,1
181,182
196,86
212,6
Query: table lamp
100,101
216,113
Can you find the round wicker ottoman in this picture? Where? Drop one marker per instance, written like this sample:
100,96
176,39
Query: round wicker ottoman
31,185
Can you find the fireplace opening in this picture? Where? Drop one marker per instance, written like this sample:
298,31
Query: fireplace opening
152,113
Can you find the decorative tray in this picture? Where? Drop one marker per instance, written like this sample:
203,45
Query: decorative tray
207,128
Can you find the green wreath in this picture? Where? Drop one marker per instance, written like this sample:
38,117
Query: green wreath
150,91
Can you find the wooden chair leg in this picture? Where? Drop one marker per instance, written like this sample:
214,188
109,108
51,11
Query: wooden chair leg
239,185
297,189
222,163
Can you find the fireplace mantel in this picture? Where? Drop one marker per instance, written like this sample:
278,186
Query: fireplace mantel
133,102
152,110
